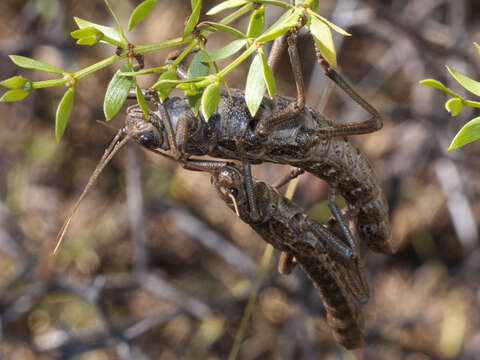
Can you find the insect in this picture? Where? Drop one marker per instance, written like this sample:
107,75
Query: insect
285,131
340,280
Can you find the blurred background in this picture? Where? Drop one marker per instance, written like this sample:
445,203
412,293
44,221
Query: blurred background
156,267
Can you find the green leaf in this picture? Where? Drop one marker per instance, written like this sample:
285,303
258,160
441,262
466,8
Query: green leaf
454,106
210,100
255,87
140,13
225,28
228,50
16,82
106,30
324,41
194,101
198,67
478,47
469,132
193,19
314,5
142,102
164,92
117,92
14,95
275,32
257,22
226,5
29,63
337,28
87,36
435,84
86,32
63,113
469,84
267,74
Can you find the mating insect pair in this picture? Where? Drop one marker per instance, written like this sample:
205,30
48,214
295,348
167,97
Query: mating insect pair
284,131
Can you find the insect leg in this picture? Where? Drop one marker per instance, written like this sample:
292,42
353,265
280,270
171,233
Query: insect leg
265,125
351,128
341,222
287,262
167,123
249,188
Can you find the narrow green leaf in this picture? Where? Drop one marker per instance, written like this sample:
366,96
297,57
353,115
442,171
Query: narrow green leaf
477,46
210,100
226,51
86,32
198,67
15,82
164,92
314,5
225,28
337,28
226,5
194,101
193,19
275,32
255,86
117,92
14,95
142,102
469,84
106,30
140,13
324,41
267,74
29,63
91,40
438,85
435,84
257,22
454,106
63,113
469,132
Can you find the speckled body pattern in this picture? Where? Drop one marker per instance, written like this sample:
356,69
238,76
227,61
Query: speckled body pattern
280,224
336,160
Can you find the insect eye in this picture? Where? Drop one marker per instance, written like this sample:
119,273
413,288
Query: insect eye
146,140
233,192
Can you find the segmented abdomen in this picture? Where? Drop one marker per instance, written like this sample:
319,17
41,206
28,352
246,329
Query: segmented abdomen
344,314
340,163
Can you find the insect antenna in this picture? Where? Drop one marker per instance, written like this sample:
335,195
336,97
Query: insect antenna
116,144
107,125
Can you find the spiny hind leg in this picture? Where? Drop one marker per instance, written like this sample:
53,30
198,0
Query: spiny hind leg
350,128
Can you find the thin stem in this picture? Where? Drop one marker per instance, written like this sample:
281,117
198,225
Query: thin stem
142,49
475,104
117,21
48,83
97,66
267,255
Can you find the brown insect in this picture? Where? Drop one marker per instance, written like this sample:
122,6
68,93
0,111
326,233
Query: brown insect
284,131
340,279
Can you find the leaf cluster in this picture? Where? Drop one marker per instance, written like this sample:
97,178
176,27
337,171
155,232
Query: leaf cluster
205,78
471,130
